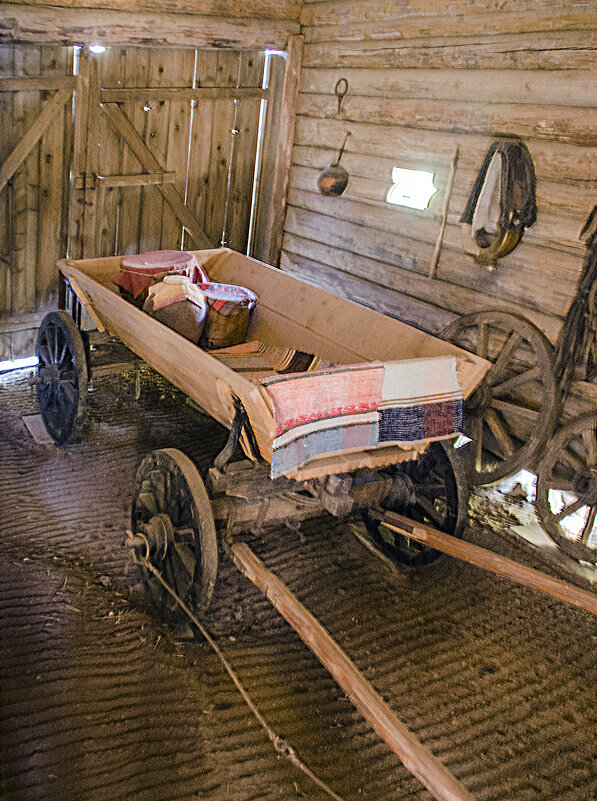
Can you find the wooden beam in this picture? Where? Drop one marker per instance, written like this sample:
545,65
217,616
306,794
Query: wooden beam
85,26
481,557
274,224
146,179
37,84
33,135
563,87
123,126
277,9
172,93
416,758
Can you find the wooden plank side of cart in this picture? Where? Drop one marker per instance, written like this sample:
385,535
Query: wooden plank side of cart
188,367
290,313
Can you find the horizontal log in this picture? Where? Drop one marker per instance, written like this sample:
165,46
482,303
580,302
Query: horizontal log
20,23
377,222
282,9
528,51
343,12
155,95
554,161
444,295
413,754
401,306
531,87
37,84
542,243
527,282
562,209
552,123
495,563
464,24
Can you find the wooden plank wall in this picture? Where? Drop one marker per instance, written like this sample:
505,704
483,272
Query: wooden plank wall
193,140
32,224
423,81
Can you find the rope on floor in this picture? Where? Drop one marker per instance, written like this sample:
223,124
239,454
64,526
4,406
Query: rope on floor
280,745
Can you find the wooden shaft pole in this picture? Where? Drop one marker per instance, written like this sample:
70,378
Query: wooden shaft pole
442,229
417,759
493,562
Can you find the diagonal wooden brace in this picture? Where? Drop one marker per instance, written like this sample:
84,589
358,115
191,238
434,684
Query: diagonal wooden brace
124,128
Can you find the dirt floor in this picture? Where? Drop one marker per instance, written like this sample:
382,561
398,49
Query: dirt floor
99,700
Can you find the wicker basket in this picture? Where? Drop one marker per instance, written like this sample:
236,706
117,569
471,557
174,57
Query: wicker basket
228,315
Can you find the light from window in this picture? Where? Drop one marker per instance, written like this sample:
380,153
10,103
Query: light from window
412,188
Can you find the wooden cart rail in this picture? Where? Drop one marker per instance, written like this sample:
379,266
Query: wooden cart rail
290,313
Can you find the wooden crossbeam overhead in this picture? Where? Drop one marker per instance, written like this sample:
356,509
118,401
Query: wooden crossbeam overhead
152,95
25,23
275,9
33,135
123,126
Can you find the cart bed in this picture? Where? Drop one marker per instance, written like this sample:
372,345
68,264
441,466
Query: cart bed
290,314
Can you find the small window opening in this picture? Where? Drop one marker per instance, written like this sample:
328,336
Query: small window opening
412,188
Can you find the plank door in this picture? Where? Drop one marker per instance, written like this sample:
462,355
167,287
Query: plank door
36,95
165,148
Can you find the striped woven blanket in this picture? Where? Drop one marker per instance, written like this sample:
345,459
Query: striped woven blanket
362,406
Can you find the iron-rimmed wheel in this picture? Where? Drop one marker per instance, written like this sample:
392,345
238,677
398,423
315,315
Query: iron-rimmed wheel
512,413
567,488
62,376
432,490
172,510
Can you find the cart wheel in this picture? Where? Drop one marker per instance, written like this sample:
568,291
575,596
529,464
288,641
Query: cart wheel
513,412
62,376
432,490
567,489
171,508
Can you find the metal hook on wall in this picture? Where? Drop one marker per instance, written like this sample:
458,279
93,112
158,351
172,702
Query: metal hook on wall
340,91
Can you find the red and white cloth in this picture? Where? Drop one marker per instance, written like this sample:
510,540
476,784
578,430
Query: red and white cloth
139,271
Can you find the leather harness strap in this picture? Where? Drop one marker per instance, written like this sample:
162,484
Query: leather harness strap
508,172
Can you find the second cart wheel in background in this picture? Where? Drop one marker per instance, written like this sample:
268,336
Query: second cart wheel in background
432,490
514,410
567,489
172,510
62,375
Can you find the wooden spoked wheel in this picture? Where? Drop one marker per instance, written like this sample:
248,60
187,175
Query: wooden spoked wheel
512,413
432,490
172,510
567,489
62,376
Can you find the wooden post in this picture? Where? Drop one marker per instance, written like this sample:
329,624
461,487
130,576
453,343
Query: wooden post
491,561
416,758
273,223
442,229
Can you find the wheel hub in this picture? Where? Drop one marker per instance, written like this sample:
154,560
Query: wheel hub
160,534
50,375
402,494
585,486
480,399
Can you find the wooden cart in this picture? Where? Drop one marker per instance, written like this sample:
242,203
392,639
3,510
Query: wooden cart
177,515
423,479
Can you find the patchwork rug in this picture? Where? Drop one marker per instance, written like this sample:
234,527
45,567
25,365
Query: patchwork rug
362,406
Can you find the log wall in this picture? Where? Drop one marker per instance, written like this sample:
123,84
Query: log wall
422,82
